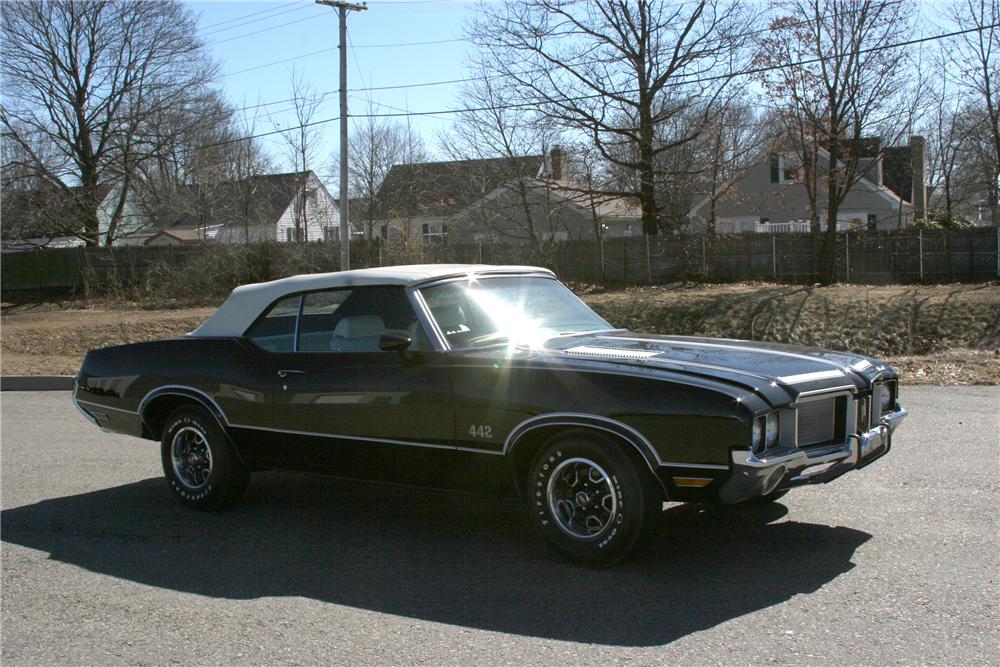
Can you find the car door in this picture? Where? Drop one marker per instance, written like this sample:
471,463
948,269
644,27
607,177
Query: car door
344,406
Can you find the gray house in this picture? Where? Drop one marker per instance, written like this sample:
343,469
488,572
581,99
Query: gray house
771,196
503,200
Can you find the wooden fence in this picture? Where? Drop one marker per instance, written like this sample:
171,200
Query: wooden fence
874,258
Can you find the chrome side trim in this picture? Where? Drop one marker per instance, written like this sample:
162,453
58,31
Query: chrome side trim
386,441
575,419
105,407
183,390
91,418
612,426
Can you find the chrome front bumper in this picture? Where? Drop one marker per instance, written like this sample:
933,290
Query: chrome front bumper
753,477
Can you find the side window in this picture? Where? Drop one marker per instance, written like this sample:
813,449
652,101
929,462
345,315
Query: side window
353,320
275,331
319,319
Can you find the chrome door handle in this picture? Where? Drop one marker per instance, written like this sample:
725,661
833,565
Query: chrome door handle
286,373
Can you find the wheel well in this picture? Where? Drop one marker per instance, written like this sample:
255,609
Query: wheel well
154,416
529,445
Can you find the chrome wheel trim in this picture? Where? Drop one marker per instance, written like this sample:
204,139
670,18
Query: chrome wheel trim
581,498
191,457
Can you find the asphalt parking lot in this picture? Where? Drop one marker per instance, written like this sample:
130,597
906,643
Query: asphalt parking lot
898,563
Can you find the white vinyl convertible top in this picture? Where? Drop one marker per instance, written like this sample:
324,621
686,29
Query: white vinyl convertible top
246,302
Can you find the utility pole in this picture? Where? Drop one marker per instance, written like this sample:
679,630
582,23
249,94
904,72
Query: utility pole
345,223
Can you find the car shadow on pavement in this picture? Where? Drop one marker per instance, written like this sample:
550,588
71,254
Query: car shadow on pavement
447,558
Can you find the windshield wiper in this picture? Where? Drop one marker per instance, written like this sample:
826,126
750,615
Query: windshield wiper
495,337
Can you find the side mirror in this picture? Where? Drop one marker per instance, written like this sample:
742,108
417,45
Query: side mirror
394,341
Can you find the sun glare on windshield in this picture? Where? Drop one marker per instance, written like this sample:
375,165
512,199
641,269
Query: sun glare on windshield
514,311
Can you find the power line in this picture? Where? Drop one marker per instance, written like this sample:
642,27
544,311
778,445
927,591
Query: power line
746,72
284,10
328,50
257,32
387,46
743,35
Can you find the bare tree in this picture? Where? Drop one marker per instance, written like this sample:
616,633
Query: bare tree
835,89
192,145
976,59
732,142
83,77
302,141
376,145
614,71
945,127
498,138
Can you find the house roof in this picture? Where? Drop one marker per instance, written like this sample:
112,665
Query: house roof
444,188
573,194
897,171
184,234
245,303
259,199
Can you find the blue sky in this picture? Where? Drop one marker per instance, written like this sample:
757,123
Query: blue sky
289,29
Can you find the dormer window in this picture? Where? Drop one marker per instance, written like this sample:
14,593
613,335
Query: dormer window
786,168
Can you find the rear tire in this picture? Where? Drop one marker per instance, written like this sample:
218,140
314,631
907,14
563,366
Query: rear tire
589,500
199,462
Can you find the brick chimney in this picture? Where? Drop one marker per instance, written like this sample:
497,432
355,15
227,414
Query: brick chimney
560,170
919,196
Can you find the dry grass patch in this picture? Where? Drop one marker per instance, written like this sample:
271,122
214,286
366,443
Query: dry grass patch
944,334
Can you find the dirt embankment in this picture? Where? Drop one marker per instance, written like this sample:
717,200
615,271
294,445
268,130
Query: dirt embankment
947,334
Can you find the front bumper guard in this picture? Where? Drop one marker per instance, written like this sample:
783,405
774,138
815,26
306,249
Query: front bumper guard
753,477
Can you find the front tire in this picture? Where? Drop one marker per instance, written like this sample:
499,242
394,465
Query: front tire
199,462
589,500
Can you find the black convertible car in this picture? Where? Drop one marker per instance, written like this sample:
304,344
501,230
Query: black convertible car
494,379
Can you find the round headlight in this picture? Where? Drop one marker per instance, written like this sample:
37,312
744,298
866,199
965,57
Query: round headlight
885,393
757,439
771,430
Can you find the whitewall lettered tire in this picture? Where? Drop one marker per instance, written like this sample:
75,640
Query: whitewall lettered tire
199,462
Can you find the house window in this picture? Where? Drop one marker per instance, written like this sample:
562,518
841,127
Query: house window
872,222
288,234
764,220
434,233
790,169
330,233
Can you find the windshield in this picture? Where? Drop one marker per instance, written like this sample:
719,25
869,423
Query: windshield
509,310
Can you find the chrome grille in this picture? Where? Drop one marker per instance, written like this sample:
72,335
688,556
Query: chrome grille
816,421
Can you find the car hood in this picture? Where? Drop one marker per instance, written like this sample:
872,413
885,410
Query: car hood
778,373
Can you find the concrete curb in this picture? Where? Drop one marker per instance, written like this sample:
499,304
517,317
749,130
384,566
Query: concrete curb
36,383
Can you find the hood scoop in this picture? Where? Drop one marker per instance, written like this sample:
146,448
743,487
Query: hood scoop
613,353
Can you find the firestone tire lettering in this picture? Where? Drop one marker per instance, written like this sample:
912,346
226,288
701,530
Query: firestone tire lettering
634,496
